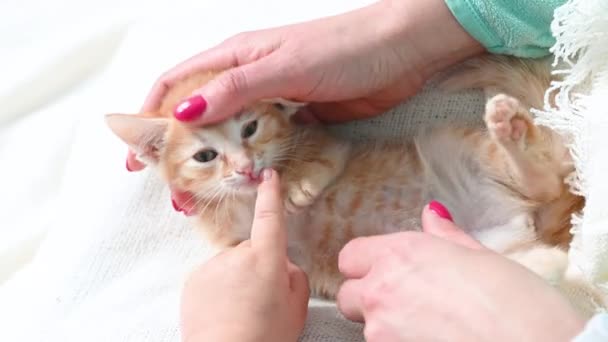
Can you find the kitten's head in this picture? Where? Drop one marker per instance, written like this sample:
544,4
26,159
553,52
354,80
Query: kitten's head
217,160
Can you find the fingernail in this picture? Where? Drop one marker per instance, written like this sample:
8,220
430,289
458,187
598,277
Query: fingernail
190,109
266,174
127,166
440,210
175,207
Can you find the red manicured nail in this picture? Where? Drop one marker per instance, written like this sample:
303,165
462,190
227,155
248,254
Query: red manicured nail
190,109
127,166
440,210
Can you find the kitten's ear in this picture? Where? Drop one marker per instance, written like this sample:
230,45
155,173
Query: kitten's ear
144,135
288,107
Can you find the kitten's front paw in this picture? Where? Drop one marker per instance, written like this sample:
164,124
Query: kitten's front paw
505,118
299,196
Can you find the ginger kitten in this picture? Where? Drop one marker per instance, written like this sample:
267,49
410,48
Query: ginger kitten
504,185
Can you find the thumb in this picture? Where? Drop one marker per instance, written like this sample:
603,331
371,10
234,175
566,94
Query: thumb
437,221
232,90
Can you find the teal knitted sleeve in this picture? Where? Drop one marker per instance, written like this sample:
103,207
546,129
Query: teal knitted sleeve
520,28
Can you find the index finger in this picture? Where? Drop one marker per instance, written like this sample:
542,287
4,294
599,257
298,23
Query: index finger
268,228
356,258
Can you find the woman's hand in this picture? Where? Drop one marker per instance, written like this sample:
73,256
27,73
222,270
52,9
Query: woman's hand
349,66
418,287
251,292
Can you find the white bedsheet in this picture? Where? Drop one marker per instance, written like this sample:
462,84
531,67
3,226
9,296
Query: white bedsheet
109,254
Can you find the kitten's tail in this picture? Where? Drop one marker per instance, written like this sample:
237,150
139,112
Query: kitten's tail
525,79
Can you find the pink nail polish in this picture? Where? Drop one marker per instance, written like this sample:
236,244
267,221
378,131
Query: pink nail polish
127,166
440,210
190,109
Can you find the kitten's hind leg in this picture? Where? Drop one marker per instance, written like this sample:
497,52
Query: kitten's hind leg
509,123
524,146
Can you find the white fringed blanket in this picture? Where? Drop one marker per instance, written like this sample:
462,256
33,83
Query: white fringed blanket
581,110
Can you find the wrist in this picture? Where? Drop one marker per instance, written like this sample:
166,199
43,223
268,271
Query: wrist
428,34
550,317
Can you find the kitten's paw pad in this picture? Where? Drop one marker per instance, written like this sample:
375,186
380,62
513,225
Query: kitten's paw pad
300,195
505,119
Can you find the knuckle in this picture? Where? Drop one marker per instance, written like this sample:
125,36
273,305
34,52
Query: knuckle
406,239
370,301
384,288
297,59
233,81
267,215
400,253
165,82
295,66
406,244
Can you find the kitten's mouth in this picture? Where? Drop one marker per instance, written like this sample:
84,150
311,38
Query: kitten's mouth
183,202
255,177
250,181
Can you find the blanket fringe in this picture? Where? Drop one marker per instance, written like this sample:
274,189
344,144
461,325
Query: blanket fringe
581,63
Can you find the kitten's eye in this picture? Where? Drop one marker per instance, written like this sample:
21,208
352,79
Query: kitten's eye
279,106
249,129
204,156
